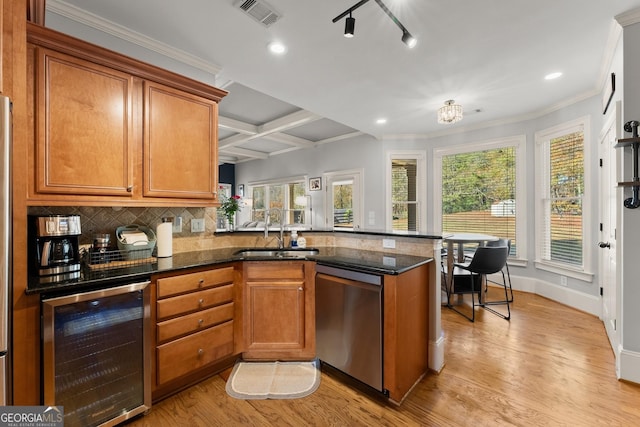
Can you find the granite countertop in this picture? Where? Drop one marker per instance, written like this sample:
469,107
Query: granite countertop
96,278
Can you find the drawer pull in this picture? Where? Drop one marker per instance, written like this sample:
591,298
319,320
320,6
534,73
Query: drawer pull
200,283
300,288
200,322
201,301
200,352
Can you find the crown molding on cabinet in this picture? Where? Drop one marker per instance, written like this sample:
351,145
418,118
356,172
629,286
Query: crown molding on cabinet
78,15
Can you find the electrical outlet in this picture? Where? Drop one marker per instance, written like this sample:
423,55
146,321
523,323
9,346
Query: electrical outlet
388,243
563,280
197,225
177,224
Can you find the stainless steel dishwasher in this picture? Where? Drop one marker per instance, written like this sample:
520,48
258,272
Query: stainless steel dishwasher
349,323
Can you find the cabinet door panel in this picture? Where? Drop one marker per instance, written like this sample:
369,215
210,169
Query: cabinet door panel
277,315
84,127
180,159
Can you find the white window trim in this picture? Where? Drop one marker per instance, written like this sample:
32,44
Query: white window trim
358,185
283,181
584,273
519,143
421,194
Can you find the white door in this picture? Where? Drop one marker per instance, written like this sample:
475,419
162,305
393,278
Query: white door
607,244
344,196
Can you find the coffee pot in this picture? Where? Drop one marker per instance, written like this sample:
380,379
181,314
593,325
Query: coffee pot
53,242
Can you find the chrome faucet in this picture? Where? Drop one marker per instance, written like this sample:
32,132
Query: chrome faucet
267,220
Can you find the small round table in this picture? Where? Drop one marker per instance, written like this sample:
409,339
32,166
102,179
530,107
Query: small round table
460,239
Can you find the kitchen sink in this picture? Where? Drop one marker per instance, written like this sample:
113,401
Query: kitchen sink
276,253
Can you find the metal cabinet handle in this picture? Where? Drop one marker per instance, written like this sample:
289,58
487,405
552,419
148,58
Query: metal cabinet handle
200,322
200,283
201,301
300,288
130,189
604,245
200,352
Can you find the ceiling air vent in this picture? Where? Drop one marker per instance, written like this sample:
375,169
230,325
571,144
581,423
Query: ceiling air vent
259,10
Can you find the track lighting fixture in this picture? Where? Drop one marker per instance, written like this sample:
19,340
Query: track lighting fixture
349,26
350,22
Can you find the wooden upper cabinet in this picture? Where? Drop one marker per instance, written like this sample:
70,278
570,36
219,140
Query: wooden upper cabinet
180,144
84,136
110,129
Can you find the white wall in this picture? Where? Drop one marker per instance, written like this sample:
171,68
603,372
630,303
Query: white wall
368,153
630,226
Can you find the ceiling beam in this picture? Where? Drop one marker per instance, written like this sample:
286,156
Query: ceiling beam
237,126
289,140
339,138
280,124
244,152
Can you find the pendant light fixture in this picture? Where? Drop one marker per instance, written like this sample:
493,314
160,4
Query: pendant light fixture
349,26
350,23
450,113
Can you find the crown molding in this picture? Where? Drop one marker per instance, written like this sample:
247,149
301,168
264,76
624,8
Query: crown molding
78,15
628,18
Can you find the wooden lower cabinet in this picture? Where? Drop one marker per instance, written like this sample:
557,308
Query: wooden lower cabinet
184,355
279,310
406,330
196,322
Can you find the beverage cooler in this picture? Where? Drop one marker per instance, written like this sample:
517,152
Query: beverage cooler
96,354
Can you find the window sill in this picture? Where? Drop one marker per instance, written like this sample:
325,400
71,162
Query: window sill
565,271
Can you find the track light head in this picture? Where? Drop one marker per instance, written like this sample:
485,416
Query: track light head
349,26
409,40
350,22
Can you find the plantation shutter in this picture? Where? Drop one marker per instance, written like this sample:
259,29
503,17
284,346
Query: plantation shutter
562,233
479,193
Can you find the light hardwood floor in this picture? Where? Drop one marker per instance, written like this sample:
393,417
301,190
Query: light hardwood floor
550,366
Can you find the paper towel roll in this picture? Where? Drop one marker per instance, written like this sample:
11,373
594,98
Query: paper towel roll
164,236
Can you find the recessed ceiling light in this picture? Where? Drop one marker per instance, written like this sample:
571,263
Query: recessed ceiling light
277,48
552,76
381,121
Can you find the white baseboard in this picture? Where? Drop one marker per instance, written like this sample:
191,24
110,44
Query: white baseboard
628,365
436,354
579,300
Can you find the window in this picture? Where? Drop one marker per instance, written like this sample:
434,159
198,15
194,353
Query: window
344,199
561,223
406,171
480,189
290,198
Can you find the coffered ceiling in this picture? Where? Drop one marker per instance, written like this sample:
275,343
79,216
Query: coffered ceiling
489,56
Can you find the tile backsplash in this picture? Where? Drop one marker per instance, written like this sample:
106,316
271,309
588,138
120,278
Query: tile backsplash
95,220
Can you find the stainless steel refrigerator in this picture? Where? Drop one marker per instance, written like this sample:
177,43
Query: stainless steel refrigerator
6,260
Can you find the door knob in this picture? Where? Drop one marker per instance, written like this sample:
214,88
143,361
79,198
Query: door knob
604,245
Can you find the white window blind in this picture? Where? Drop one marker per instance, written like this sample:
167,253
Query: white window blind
479,193
561,233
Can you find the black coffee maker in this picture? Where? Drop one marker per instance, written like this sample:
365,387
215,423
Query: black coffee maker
54,249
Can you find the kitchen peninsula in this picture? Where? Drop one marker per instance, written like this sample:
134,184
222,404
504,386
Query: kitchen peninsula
401,273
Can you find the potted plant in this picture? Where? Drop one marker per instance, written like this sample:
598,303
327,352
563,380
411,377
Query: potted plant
229,206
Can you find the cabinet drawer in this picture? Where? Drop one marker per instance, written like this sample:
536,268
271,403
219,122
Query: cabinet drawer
184,355
193,281
274,270
194,301
189,323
